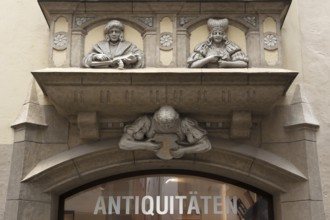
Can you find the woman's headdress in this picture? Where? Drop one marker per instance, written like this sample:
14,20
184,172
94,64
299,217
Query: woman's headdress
220,24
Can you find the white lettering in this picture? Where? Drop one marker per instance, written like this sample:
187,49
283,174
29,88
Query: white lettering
150,211
232,205
100,206
171,204
165,204
180,198
217,204
193,205
114,205
128,203
206,203
137,201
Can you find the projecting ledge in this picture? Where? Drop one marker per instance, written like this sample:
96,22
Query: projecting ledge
139,91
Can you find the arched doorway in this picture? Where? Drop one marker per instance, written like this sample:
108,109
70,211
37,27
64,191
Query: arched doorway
166,195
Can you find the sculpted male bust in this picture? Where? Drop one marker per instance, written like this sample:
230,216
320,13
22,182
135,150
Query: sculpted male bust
114,51
217,51
183,136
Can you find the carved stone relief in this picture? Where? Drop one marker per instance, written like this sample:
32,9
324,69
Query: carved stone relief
251,20
114,51
166,134
60,41
185,20
148,21
270,41
217,51
166,41
79,21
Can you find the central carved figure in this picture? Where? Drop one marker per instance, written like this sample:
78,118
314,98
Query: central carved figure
217,51
114,51
166,134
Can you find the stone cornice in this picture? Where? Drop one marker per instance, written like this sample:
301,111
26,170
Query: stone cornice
132,92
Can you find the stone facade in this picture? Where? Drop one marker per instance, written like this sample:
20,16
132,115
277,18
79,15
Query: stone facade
267,124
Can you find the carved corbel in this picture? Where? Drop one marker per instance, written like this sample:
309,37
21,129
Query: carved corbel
241,124
88,125
165,134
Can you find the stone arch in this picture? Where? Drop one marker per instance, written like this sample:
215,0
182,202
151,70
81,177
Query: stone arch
89,162
127,21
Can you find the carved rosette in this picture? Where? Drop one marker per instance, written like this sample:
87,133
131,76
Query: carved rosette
270,41
60,41
166,41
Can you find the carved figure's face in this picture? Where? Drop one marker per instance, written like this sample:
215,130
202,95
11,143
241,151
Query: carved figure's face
114,34
217,36
166,117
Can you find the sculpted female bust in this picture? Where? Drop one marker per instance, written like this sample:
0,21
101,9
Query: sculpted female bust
217,51
114,51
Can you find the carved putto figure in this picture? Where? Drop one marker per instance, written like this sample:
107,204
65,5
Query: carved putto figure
166,134
114,51
217,51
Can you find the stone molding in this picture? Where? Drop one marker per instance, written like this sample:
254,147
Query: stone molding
267,168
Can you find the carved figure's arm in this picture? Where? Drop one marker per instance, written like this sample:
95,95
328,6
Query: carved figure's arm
130,58
200,146
127,142
237,59
134,137
119,61
192,139
232,64
202,62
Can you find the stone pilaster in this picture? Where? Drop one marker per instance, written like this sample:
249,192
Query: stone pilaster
150,48
77,47
182,47
253,48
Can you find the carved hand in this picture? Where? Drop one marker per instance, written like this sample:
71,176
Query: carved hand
223,63
101,57
130,59
213,59
177,153
153,145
